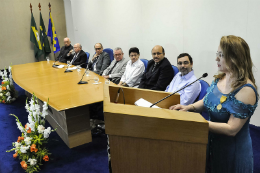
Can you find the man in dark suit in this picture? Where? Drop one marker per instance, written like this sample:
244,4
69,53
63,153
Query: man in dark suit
159,72
63,56
100,60
79,57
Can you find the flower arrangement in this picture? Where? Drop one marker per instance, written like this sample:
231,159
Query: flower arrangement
30,146
7,91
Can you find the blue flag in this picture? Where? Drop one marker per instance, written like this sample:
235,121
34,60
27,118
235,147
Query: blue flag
52,33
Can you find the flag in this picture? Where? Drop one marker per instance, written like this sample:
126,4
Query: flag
52,33
43,37
35,39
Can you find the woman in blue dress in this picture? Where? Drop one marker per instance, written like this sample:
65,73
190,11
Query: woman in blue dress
230,101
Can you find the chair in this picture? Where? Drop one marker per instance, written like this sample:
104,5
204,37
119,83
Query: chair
175,69
145,61
87,57
110,53
203,92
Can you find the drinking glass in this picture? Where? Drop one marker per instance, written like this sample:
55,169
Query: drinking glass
107,82
68,63
78,68
87,72
96,79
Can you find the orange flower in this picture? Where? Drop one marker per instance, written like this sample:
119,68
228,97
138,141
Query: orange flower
46,158
3,82
24,165
3,88
33,148
20,139
29,130
15,155
3,101
25,126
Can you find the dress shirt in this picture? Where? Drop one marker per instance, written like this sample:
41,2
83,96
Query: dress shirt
187,95
94,63
133,73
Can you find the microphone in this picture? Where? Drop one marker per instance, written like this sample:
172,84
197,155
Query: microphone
54,65
70,70
83,82
117,97
203,76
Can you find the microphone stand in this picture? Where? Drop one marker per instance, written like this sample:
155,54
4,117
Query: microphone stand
83,82
67,69
204,75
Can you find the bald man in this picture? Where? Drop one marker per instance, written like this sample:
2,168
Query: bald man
64,51
159,72
79,57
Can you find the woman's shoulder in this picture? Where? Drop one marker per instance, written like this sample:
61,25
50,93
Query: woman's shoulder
247,94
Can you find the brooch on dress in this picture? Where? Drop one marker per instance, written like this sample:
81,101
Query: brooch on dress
222,100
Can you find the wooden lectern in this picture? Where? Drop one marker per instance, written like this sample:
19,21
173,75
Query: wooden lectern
152,140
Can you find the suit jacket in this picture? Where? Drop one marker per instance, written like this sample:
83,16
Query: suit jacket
101,64
63,54
81,58
118,71
160,78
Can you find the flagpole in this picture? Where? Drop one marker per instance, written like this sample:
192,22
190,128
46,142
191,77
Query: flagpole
50,11
31,7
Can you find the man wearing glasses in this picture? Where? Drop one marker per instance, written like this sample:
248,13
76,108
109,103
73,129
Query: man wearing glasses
159,72
184,77
100,60
117,67
78,56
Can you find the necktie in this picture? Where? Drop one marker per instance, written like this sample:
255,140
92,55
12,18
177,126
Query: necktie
154,66
74,58
94,62
110,71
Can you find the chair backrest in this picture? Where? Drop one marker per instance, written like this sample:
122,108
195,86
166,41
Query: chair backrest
145,61
203,92
87,56
110,53
175,69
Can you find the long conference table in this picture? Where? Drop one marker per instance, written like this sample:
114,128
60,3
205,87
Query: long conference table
68,101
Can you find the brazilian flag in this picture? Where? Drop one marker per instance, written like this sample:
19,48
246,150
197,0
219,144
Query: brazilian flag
35,39
43,37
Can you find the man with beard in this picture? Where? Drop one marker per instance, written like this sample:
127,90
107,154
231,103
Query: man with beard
184,77
159,72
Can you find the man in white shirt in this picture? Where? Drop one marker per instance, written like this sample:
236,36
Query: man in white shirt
134,69
184,77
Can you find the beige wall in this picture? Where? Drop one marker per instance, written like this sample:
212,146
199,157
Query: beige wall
15,21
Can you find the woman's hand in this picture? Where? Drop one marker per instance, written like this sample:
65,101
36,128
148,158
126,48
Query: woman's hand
180,107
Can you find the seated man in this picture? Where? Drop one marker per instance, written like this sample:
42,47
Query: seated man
117,67
100,60
63,56
183,78
134,69
79,57
159,72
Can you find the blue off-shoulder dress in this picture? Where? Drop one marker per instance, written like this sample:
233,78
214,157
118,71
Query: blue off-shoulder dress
229,154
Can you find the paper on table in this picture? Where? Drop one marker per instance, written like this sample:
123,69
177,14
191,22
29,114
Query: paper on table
144,103
72,68
60,66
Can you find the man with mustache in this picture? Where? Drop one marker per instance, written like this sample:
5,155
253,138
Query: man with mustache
159,72
183,78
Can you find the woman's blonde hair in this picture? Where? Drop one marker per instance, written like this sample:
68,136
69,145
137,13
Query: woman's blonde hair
238,60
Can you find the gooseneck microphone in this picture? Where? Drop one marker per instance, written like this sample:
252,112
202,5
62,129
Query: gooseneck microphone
83,82
203,76
54,65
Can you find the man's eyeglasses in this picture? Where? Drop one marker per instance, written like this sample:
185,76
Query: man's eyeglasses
118,54
158,53
97,48
133,56
219,54
185,63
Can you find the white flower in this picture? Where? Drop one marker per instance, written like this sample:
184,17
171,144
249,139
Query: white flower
8,94
8,98
20,127
24,148
27,107
32,125
27,140
10,69
47,132
32,161
8,87
41,129
1,94
1,73
17,144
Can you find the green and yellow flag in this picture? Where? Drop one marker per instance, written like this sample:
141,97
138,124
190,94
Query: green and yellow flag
43,37
35,39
